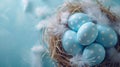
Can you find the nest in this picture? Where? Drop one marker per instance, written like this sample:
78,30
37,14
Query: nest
58,53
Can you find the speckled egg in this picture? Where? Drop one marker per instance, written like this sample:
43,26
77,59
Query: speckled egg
106,36
70,43
87,33
77,19
94,54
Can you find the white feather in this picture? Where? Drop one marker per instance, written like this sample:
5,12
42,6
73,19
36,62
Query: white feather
55,27
25,4
38,53
42,11
93,10
42,24
64,17
80,61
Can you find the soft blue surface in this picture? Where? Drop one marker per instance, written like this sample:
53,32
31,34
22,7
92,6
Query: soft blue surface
106,36
76,20
87,33
94,54
17,31
70,43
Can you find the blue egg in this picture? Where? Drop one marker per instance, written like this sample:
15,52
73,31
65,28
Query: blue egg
94,54
106,36
77,19
87,33
70,43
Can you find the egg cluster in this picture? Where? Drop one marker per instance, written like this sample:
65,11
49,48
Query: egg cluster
87,38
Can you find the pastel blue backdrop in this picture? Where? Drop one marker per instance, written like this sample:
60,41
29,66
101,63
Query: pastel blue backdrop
17,29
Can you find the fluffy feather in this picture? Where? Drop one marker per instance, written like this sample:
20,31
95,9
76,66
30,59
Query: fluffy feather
114,6
42,11
64,16
81,61
38,53
93,10
54,27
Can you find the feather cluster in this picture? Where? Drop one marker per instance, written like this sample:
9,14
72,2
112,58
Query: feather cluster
56,25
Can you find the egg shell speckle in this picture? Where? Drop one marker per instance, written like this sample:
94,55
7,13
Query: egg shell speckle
87,33
76,20
106,36
94,54
70,43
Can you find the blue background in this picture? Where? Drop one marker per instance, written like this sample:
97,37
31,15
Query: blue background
17,30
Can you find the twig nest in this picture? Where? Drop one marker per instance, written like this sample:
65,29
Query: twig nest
87,33
94,54
70,43
106,36
77,19
70,34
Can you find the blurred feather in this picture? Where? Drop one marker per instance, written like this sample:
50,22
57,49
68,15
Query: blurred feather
42,11
93,10
55,27
42,24
38,53
25,4
80,61
41,57
37,56
113,6
64,17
